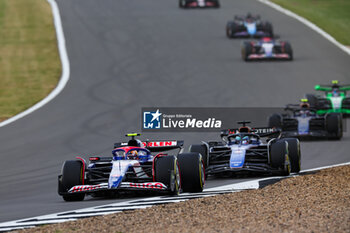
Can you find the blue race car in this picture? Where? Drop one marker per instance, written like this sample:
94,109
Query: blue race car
134,166
243,151
266,49
248,26
303,122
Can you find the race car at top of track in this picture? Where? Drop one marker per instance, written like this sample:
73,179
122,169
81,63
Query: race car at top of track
301,121
133,167
335,99
266,49
242,150
248,26
199,4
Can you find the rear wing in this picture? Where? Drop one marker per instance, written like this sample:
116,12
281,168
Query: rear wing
157,145
296,107
331,87
260,131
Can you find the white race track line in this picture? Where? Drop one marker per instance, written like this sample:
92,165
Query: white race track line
307,23
73,215
65,67
55,218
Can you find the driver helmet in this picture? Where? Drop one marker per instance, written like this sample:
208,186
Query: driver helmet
133,154
304,105
245,140
335,93
237,139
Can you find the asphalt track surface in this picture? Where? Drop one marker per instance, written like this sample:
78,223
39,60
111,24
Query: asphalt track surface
125,55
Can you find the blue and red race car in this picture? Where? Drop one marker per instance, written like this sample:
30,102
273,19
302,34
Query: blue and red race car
133,166
248,26
199,4
266,49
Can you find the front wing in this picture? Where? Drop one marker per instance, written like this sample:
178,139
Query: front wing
248,167
124,186
274,56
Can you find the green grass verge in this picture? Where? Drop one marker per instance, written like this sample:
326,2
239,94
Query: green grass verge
29,62
333,16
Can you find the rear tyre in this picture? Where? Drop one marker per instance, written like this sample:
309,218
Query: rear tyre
192,172
246,50
334,125
167,172
279,157
203,150
181,4
230,29
294,153
312,100
275,121
72,175
269,29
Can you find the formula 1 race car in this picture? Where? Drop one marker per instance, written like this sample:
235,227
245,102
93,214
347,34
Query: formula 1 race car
242,150
301,121
134,166
248,26
335,99
266,49
199,4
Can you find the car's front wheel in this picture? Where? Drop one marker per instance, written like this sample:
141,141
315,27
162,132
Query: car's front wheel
192,172
72,175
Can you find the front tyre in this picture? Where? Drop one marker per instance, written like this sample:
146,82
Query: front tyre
72,175
279,157
167,172
246,50
294,153
192,172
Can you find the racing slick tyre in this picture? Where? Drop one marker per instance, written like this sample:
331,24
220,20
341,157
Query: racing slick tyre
268,28
275,121
167,172
279,157
334,125
72,175
288,49
192,172
312,100
230,29
294,153
182,3
246,50
203,150
346,106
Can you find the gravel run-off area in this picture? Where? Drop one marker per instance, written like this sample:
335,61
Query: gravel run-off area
318,202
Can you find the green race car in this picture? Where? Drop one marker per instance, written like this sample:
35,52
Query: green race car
335,99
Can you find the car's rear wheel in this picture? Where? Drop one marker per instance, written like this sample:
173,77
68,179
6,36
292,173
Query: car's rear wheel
279,157
275,121
334,125
294,153
192,172
181,4
203,150
269,29
312,100
231,29
72,175
167,172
